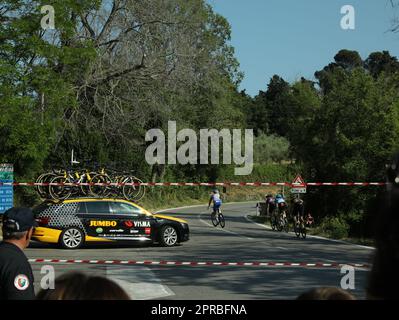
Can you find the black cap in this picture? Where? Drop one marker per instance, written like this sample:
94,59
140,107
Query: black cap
18,219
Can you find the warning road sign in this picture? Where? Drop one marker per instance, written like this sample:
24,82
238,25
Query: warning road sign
299,185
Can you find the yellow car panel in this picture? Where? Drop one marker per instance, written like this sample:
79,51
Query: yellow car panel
170,218
47,235
97,239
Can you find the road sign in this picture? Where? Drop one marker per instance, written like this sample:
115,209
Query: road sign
6,192
301,187
298,190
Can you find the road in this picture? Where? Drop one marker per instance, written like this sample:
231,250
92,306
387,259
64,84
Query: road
240,241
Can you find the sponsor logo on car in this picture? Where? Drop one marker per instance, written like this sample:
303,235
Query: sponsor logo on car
128,224
117,230
97,223
137,224
99,230
134,231
147,230
142,224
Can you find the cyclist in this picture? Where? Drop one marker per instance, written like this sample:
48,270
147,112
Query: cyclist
270,204
281,206
280,202
217,202
298,210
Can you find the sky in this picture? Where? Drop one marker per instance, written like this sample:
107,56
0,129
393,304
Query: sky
294,38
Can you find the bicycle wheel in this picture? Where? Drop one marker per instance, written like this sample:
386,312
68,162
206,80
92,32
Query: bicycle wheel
86,178
44,191
100,191
215,220
286,225
303,232
279,226
129,192
297,230
138,191
280,223
60,192
221,219
38,188
273,222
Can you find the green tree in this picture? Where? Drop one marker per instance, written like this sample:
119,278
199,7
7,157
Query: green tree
378,62
352,136
271,108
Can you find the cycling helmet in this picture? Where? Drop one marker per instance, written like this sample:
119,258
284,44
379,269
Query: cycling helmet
279,196
215,191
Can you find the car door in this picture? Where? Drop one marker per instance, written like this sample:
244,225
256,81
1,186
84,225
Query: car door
97,218
135,224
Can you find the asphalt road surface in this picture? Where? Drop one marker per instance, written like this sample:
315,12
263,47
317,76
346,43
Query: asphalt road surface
240,241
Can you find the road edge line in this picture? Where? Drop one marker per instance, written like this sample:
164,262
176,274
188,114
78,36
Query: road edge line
314,237
198,205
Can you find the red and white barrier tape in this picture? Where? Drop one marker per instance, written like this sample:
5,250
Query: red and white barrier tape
195,184
206,263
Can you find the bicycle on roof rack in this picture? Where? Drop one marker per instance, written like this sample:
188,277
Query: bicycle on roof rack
63,183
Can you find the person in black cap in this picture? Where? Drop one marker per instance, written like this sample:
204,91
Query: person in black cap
16,276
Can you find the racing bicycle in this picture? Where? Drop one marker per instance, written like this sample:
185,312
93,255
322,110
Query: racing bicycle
274,220
218,218
300,228
282,222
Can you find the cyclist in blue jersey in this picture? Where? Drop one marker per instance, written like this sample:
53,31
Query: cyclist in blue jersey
281,204
217,202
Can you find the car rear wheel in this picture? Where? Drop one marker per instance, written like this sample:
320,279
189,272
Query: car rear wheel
71,238
168,236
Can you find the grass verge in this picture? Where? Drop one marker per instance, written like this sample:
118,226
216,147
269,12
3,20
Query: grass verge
158,199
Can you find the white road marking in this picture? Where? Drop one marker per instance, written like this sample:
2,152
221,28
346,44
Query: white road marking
140,283
314,237
342,241
198,205
267,227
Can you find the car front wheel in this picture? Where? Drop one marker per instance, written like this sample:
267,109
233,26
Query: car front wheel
168,236
71,238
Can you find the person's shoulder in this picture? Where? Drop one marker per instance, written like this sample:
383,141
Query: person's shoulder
8,246
11,251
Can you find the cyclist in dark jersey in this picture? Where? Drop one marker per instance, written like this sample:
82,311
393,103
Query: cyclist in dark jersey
270,204
298,210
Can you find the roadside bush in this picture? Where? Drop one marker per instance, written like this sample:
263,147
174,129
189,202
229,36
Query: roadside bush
355,221
336,227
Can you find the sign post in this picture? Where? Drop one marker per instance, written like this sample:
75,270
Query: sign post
6,192
300,187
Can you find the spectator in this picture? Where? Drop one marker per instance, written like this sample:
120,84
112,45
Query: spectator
326,293
78,286
16,276
384,277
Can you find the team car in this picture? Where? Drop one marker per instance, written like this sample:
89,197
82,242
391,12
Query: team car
72,223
